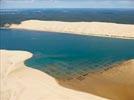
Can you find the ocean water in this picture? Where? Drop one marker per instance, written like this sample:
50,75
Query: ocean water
65,55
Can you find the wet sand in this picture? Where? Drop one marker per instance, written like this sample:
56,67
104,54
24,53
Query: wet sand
115,83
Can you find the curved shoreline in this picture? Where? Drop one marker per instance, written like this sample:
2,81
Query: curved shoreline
101,29
20,82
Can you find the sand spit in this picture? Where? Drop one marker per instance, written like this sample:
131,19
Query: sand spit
19,82
116,83
83,28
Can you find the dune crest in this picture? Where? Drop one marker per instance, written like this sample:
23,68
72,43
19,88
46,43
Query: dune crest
82,28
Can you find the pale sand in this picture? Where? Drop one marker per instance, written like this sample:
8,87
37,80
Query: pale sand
82,28
19,82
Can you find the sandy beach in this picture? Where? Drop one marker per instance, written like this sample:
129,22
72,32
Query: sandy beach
102,29
19,82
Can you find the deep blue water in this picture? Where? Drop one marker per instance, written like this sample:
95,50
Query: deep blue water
64,55
125,16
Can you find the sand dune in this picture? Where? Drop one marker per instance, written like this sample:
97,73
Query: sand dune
83,28
19,82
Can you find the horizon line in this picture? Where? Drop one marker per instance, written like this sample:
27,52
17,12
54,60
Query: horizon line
65,8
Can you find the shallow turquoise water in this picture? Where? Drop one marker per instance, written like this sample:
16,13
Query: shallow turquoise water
64,55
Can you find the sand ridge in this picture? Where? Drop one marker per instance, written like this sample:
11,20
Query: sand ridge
82,28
